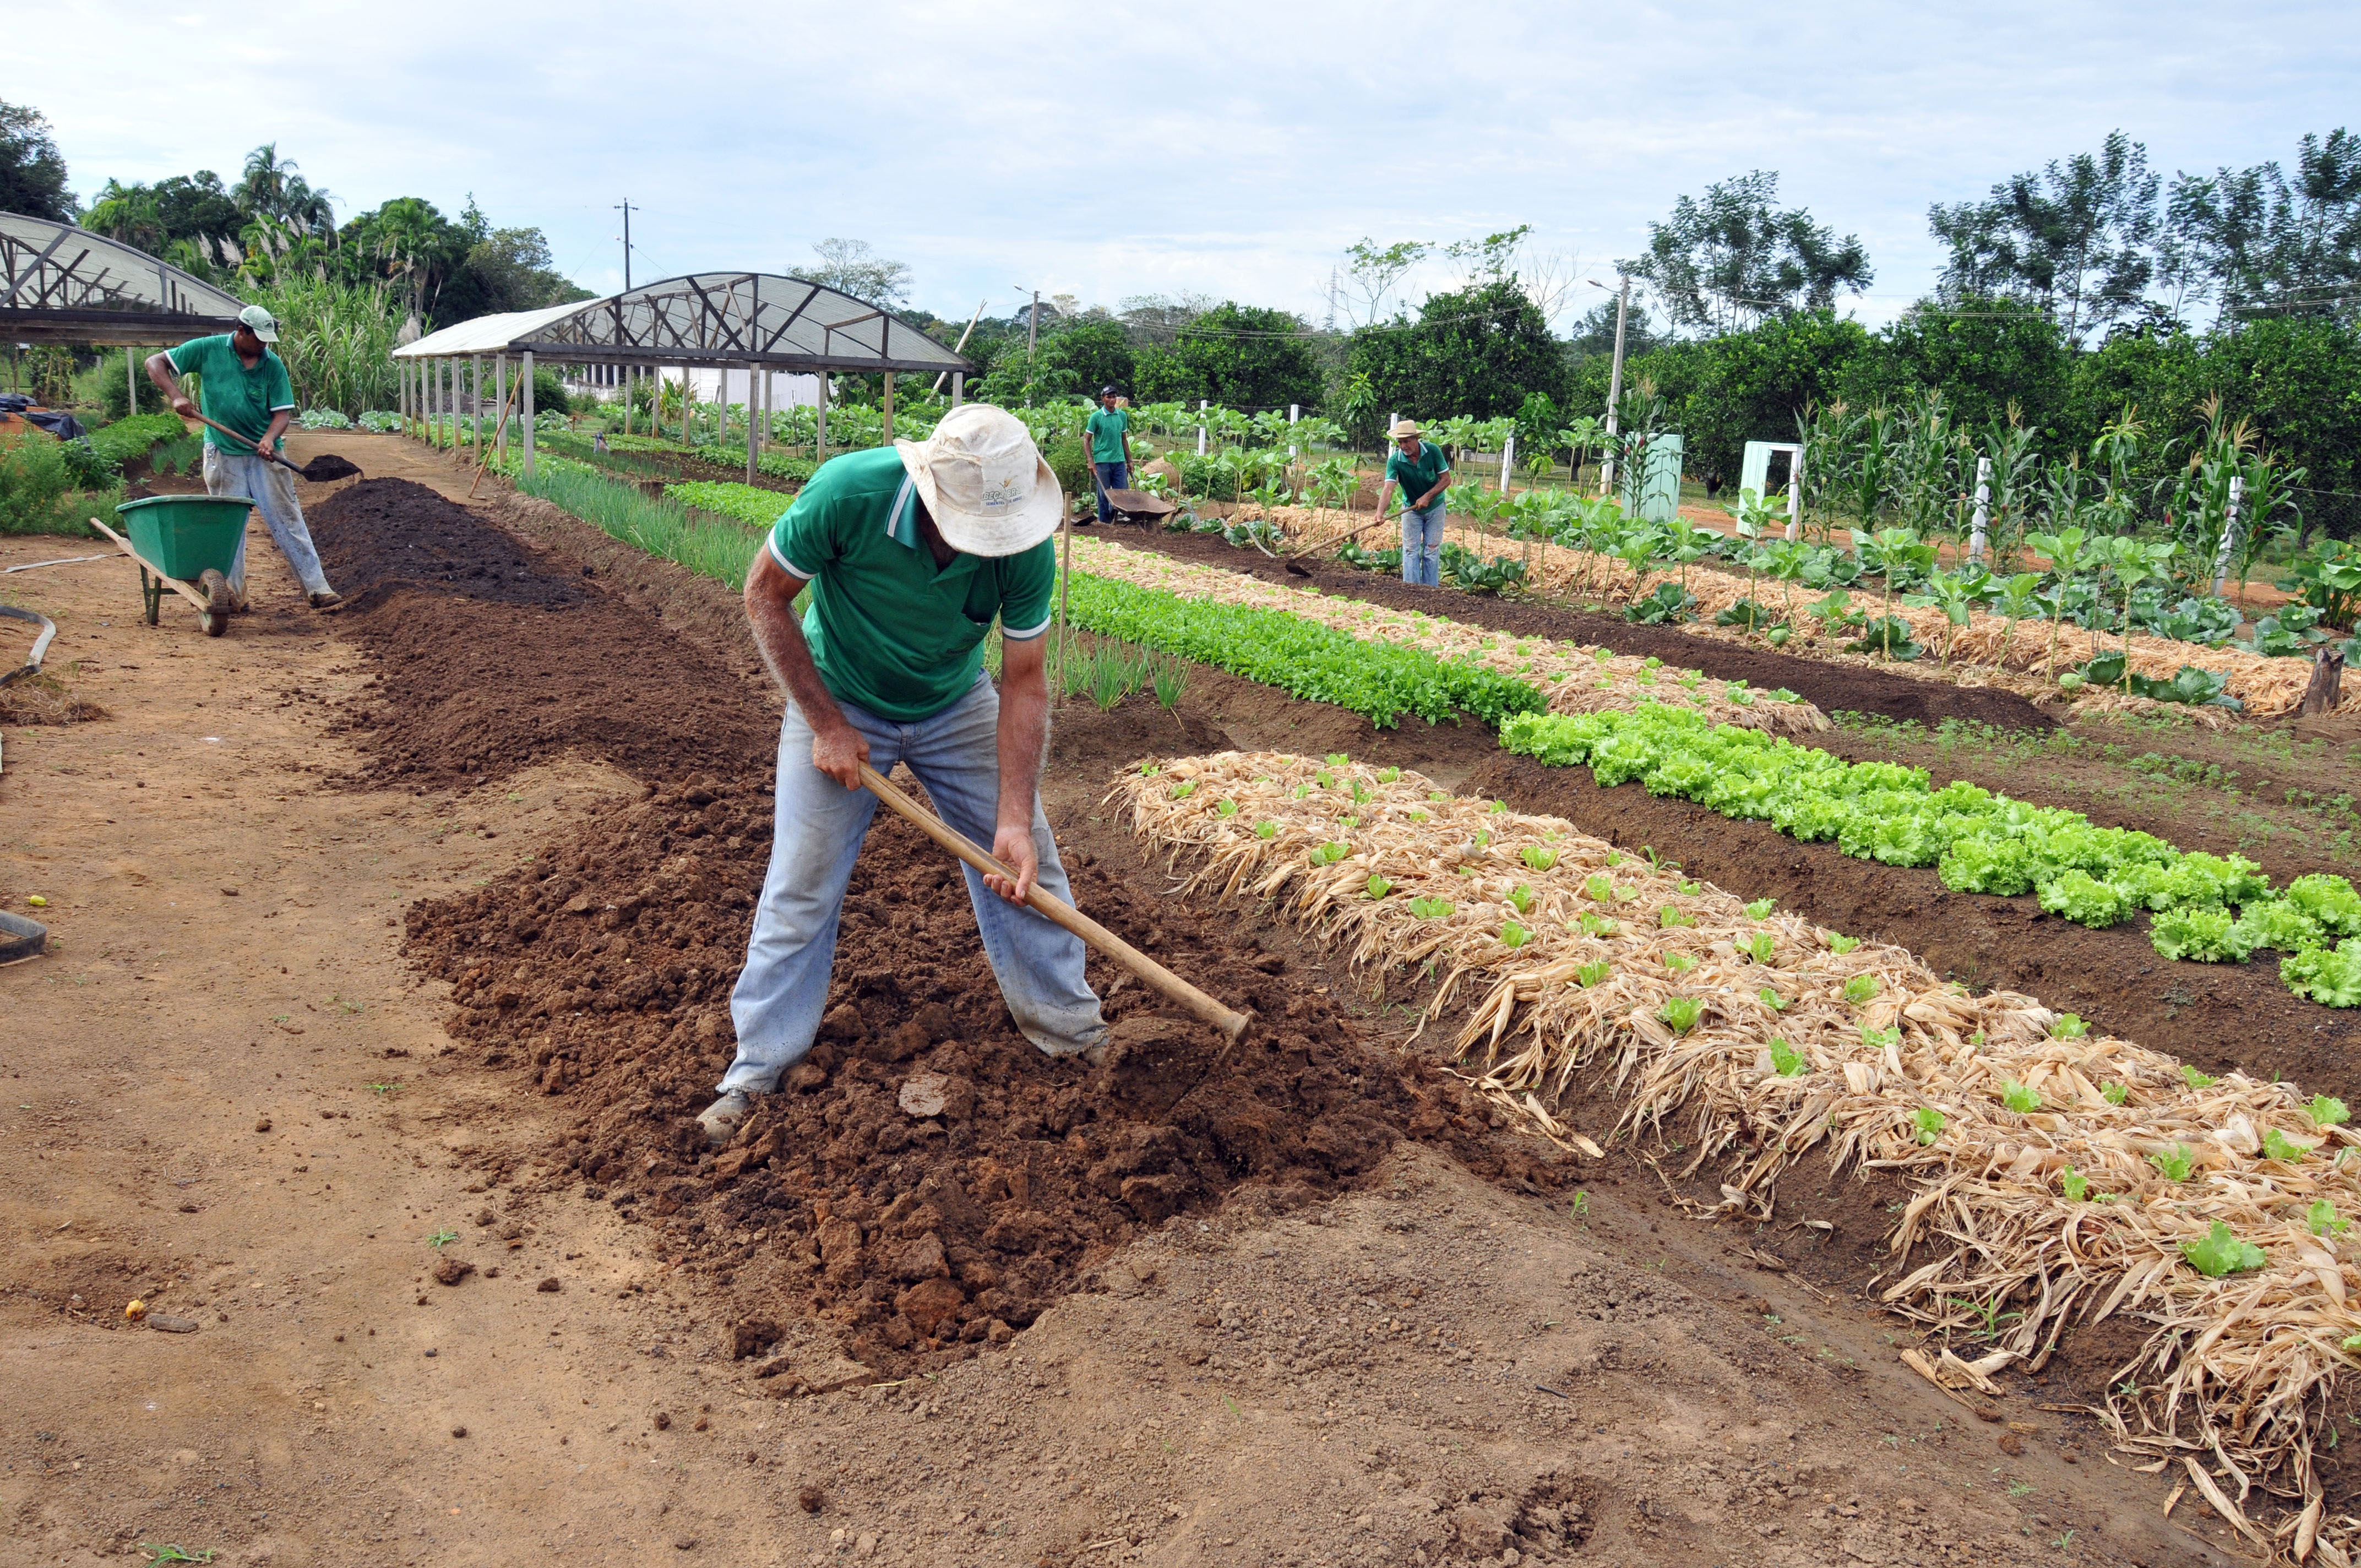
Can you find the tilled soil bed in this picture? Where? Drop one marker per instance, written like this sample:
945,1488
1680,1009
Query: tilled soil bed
491,658
1834,688
928,1177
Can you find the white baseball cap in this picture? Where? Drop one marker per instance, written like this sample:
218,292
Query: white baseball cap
260,323
985,482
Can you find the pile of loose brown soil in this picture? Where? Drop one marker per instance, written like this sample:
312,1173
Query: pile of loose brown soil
491,658
926,1177
1834,688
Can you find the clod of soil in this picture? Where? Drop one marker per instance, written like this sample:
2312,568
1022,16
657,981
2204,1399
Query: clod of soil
450,1270
930,1221
1833,689
469,692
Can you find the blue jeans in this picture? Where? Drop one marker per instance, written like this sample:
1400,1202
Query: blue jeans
271,489
1422,546
1112,476
818,826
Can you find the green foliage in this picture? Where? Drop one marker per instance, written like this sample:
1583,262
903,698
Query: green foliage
1481,352
2201,936
2332,978
1760,909
1381,681
748,503
2278,1145
1929,1122
2069,1027
1860,988
721,551
1787,1061
2019,1098
1430,908
1237,355
2327,1111
2174,1163
46,487
2321,1219
1681,1012
2073,1184
2219,1253
1594,973
1513,935
1379,886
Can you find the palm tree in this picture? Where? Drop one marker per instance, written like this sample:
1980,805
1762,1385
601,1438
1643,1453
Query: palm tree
270,186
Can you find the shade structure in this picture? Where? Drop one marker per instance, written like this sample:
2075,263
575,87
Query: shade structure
63,284
706,318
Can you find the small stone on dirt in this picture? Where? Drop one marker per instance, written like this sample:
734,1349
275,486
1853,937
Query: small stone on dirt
550,1285
684,1542
263,1125
229,893
170,1325
922,1094
2011,1444
811,1499
459,1432
662,1420
452,1270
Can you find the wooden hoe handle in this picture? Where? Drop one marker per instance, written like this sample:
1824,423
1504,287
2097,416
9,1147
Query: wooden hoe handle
255,445
1232,1025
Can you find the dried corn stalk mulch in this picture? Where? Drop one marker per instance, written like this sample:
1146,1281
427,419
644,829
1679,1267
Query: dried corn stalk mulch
1583,963
1573,677
1988,651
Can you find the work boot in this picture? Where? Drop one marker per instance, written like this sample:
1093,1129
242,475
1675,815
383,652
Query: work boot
722,1119
326,598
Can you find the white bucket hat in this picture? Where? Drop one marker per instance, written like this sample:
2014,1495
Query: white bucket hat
985,482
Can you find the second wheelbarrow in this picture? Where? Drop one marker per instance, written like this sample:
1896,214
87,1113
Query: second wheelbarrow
187,544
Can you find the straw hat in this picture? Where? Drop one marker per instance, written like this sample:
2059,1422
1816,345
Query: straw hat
985,482
1403,427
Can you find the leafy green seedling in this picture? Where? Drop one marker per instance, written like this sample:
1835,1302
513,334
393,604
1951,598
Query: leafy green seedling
1579,1204
1679,963
1429,908
1598,885
1860,989
1437,794
2115,1093
2175,1162
1348,822
2327,1111
2219,1253
1843,945
1417,816
382,1089
1302,791
1513,935
1878,1040
1929,1122
2018,1098
1537,858
1324,779
2321,1220
1761,908
1389,775
175,1553
1614,857
1225,808
1787,1061
2196,1080
1681,1012
1691,889
2076,1186
2278,1145
2068,1027
442,1239
1148,770
1669,917
1599,925
1337,759
1330,853
1499,807
1266,829
1593,973
1772,999
1183,790
1521,897
1761,947
1379,886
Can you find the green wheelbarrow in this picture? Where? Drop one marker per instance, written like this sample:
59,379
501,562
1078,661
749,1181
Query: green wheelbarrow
186,544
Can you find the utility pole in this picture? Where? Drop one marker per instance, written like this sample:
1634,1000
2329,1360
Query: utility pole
1614,384
625,208
1032,336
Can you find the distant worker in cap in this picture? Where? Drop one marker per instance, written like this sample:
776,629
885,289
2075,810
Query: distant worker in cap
1108,430
910,553
244,387
1421,470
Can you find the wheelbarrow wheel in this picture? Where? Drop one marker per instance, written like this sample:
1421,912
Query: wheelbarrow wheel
219,602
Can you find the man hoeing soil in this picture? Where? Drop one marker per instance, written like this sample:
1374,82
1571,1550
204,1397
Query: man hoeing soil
244,387
910,553
1421,470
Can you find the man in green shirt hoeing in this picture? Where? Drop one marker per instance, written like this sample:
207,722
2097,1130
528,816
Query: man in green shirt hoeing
1108,429
1423,472
244,387
910,553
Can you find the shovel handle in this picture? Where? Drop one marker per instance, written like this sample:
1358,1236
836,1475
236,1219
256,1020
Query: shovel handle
252,444
1229,1023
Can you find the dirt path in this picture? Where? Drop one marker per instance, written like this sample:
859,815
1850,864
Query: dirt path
245,1109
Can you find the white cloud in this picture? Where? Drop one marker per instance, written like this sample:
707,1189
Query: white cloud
1222,148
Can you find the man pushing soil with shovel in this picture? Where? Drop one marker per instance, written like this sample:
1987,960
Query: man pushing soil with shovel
248,402
910,553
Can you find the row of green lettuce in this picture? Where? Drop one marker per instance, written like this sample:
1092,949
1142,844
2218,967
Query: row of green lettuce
2207,908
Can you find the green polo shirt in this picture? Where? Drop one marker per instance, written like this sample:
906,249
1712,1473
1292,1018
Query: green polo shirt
1417,479
1106,428
233,395
891,631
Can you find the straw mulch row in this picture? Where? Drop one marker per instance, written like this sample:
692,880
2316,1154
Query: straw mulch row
1987,648
1573,677
2056,1180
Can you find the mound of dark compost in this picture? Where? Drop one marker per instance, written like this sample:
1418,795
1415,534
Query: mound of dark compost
1833,689
925,1217
491,658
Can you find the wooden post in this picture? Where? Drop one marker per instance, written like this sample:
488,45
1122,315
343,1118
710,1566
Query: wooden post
130,382
501,392
889,408
750,422
958,388
2229,550
1979,527
524,403
2327,682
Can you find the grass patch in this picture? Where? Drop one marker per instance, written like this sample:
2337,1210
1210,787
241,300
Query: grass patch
718,549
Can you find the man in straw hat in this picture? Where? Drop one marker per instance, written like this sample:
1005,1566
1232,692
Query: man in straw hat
1423,471
910,553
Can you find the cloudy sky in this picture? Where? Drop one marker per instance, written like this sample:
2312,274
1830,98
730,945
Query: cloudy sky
1226,149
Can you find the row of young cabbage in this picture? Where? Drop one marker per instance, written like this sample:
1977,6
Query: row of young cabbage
2208,908
2057,1177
